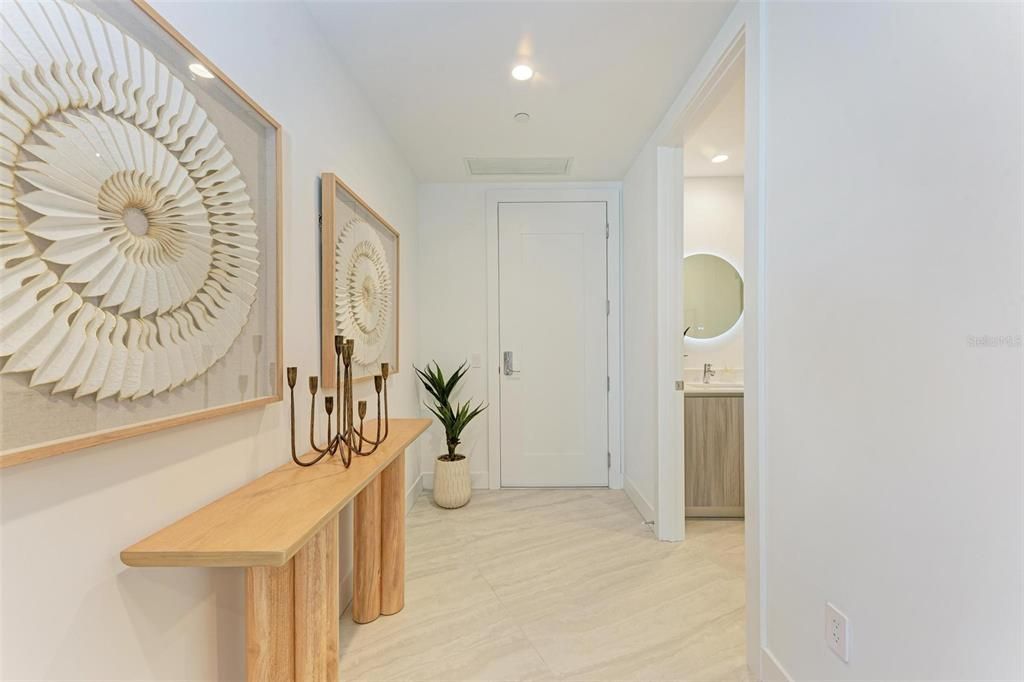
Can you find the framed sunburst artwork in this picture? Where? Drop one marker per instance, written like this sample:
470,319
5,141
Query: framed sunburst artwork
140,231
359,272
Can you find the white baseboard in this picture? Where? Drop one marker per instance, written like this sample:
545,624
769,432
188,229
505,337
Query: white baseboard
413,493
645,508
771,669
478,480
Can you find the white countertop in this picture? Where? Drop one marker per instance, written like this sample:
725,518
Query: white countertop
714,388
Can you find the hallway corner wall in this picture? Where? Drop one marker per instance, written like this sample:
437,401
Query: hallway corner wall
891,326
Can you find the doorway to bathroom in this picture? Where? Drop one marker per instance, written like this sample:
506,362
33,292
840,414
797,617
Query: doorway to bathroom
712,296
730,444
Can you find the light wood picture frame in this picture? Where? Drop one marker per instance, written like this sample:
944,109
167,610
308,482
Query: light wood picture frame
341,207
219,335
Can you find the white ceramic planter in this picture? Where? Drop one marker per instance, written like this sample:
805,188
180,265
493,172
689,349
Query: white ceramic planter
452,484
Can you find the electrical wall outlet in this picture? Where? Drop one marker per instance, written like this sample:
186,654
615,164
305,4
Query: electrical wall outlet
837,632
474,360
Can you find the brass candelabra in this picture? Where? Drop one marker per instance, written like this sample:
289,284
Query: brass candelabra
345,440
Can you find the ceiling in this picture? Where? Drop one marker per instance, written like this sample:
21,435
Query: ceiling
438,75
720,133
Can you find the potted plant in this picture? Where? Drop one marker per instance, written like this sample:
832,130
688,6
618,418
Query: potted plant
452,484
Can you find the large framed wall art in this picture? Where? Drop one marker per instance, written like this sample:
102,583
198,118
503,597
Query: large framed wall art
359,276
140,231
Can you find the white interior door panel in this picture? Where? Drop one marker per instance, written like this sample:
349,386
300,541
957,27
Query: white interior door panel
553,333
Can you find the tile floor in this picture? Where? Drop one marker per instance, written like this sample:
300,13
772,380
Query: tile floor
557,584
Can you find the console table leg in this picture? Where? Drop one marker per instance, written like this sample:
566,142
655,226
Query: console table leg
366,558
333,598
269,622
392,563
316,607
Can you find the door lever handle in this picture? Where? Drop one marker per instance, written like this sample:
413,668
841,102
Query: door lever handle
508,370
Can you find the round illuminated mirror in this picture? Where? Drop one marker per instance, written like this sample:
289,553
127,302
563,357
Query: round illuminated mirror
713,293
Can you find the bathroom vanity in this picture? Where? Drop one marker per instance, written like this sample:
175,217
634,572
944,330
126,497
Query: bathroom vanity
714,450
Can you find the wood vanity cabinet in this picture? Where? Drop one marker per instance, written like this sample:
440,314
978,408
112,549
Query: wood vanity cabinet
714,455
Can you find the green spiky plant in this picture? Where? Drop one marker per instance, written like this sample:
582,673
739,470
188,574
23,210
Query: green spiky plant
453,417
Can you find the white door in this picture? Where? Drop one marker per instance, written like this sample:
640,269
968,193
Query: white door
553,334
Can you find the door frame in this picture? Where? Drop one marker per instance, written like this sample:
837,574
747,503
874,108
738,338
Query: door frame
671,483
610,194
742,35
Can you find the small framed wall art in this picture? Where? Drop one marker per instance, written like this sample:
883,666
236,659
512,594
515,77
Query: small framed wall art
140,231
360,263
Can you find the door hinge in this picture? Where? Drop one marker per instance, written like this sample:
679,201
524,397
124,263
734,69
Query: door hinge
607,231
320,220
609,460
608,306
609,384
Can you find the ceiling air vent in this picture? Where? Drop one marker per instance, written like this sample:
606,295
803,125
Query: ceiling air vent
534,166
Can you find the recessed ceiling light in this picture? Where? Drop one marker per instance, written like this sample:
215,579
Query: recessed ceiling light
719,158
200,70
521,117
522,73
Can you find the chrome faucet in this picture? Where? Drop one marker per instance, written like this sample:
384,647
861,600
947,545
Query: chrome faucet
708,372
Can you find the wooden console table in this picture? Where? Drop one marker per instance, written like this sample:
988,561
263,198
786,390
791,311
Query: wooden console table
283,529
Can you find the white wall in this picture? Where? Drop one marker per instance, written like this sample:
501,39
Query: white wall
639,337
893,478
893,437
713,223
70,609
452,271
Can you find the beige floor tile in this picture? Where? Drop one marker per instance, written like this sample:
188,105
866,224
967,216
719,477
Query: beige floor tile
557,584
